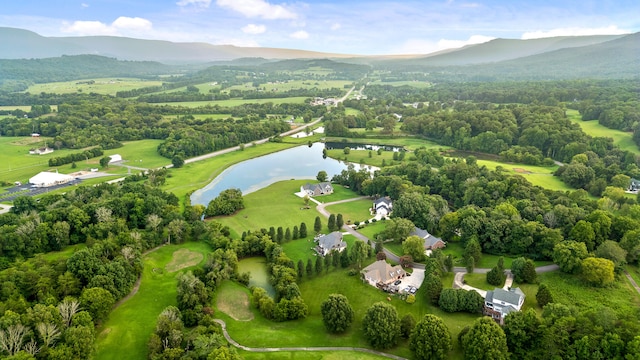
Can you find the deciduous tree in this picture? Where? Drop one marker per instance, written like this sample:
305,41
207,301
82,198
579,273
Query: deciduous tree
485,341
381,325
431,339
337,313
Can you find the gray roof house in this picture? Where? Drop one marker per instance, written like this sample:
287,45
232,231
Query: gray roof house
322,188
330,242
430,242
381,273
499,302
382,206
634,185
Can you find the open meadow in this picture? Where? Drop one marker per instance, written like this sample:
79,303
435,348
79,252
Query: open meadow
236,102
352,211
125,334
105,86
624,140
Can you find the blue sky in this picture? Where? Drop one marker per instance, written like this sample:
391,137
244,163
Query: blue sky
351,27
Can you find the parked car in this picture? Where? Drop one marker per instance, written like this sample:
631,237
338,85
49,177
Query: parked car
413,290
397,282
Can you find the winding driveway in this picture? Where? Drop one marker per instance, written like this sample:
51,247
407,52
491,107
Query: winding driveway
310,348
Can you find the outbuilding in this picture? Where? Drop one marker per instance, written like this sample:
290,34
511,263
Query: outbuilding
115,158
47,178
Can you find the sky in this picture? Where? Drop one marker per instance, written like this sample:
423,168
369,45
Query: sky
373,27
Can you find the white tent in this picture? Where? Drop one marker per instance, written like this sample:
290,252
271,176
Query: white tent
115,158
46,179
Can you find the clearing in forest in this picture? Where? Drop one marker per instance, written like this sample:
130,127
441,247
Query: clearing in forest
183,258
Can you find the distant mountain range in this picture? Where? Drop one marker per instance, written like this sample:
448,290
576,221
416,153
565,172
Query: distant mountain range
604,56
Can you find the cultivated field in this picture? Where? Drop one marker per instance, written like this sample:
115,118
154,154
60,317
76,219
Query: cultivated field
236,102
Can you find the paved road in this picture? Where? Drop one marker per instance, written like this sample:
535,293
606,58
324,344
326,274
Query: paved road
310,348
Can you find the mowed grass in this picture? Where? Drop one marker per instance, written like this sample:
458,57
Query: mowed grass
537,175
303,249
275,205
237,102
139,153
106,86
362,157
339,193
125,334
409,143
311,332
310,355
624,140
352,211
479,281
233,299
25,108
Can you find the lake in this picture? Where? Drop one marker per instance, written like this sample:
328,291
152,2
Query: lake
301,162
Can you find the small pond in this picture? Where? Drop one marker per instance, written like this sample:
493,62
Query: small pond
301,162
257,267
355,146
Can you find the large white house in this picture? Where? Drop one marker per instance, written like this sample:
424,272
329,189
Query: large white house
382,206
499,302
47,178
323,188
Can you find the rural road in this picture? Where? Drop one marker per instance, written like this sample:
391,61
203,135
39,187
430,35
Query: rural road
311,348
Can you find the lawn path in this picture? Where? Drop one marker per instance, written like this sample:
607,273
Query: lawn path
136,286
633,282
312,348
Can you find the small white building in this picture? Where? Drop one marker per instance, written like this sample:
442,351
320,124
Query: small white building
382,206
499,303
41,151
47,178
115,158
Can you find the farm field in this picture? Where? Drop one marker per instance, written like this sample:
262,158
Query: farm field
106,86
418,84
25,108
624,140
236,102
294,84
125,334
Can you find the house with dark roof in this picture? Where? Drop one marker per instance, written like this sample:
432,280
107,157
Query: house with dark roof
430,242
380,273
322,188
634,186
499,303
330,242
382,206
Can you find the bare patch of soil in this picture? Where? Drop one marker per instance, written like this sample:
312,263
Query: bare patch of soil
522,171
183,258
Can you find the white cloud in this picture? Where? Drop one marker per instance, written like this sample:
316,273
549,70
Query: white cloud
452,44
300,35
335,26
84,5
196,3
574,31
136,23
254,29
256,8
121,26
85,28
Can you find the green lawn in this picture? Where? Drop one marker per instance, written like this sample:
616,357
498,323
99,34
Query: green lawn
456,250
107,86
26,108
311,332
351,111
362,157
372,229
125,334
261,211
313,355
624,140
237,102
352,211
409,143
339,193
537,175
140,153
478,281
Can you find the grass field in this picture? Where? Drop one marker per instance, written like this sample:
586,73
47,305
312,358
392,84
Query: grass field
351,111
409,143
418,84
624,140
362,157
570,290
313,355
478,281
140,153
237,102
25,108
233,299
372,229
456,250
352,211
537,175
311,332
275,205
339,193
125,334
106,86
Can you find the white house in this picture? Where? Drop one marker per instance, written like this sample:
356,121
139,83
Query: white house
115,158
46,179
41,151
499,302
382,206
330,242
